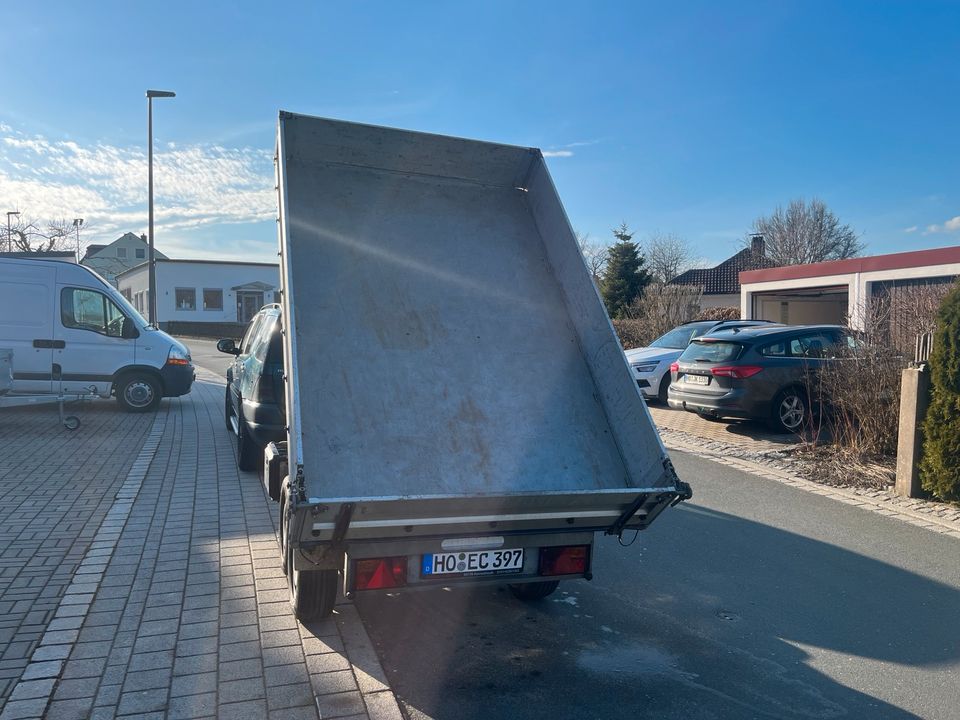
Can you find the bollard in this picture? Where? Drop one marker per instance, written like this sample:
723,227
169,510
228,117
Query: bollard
914,398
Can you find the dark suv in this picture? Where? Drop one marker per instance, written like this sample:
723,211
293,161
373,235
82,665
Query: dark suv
254,404
762,373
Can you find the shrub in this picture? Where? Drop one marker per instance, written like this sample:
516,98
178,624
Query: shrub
940,465
719,313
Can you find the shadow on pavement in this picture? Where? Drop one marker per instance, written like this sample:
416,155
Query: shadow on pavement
720,639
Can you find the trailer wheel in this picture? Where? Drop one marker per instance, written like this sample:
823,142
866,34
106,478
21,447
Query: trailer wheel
534,590
313,593
283,530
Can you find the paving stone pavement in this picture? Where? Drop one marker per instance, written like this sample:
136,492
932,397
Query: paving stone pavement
179,608
56,487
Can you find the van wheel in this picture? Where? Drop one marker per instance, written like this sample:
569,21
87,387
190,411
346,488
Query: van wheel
313,593
789,411
138,393
534,590
249,455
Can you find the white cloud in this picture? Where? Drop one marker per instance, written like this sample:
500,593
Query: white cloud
194,185
557,153
951,225
911,229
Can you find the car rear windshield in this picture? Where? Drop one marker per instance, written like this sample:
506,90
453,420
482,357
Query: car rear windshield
707,350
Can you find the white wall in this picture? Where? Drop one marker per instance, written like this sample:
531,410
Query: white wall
198,276
803,311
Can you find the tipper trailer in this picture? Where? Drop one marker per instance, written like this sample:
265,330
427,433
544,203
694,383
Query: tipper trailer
459,408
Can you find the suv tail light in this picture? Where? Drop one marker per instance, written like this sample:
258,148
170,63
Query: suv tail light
263,390
674,367
736,371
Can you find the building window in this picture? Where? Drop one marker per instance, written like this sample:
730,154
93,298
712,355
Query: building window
141,253
186,298
126,293
212,299
121,252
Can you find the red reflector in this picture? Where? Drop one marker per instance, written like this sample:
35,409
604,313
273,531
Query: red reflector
674,367
564,560
380,573
736,371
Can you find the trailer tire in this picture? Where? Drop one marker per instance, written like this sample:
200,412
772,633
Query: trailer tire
283,530
313,593
534,590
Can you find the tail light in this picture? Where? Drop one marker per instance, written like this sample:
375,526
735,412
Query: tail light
380,573
674,367
736,371
263,390
570,560
268,387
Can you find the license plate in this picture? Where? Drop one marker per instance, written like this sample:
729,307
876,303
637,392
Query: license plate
480,562
697,379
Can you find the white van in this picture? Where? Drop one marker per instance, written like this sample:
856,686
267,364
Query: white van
72,332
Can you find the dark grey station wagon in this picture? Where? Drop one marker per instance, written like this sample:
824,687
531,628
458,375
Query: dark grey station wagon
762,373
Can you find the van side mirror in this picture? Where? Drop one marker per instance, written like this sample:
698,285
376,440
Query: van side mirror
228,346
128,330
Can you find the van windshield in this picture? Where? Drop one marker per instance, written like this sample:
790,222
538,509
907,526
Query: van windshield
129,310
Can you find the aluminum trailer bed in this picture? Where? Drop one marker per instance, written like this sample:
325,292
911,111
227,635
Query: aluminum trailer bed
451,371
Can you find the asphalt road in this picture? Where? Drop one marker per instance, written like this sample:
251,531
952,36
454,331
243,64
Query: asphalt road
754,600
205,354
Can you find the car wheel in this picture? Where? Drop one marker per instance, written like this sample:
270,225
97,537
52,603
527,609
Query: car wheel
138,392
249,455
227,410
662,392
789,412
534,590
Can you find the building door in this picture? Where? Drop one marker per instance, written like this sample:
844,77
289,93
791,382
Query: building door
248,303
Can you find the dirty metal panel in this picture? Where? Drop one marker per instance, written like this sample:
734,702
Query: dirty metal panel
434,347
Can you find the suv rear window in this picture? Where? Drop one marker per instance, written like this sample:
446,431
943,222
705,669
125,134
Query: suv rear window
708,350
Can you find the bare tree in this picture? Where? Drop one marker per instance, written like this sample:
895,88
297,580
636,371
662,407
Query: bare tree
660,308
30,235
594,254
668,255
805,233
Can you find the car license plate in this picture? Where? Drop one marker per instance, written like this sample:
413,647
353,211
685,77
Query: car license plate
697,379
480,562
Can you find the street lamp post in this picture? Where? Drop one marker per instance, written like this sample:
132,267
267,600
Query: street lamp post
9,231
77,222
151,261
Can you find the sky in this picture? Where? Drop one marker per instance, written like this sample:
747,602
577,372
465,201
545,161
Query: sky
690,118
